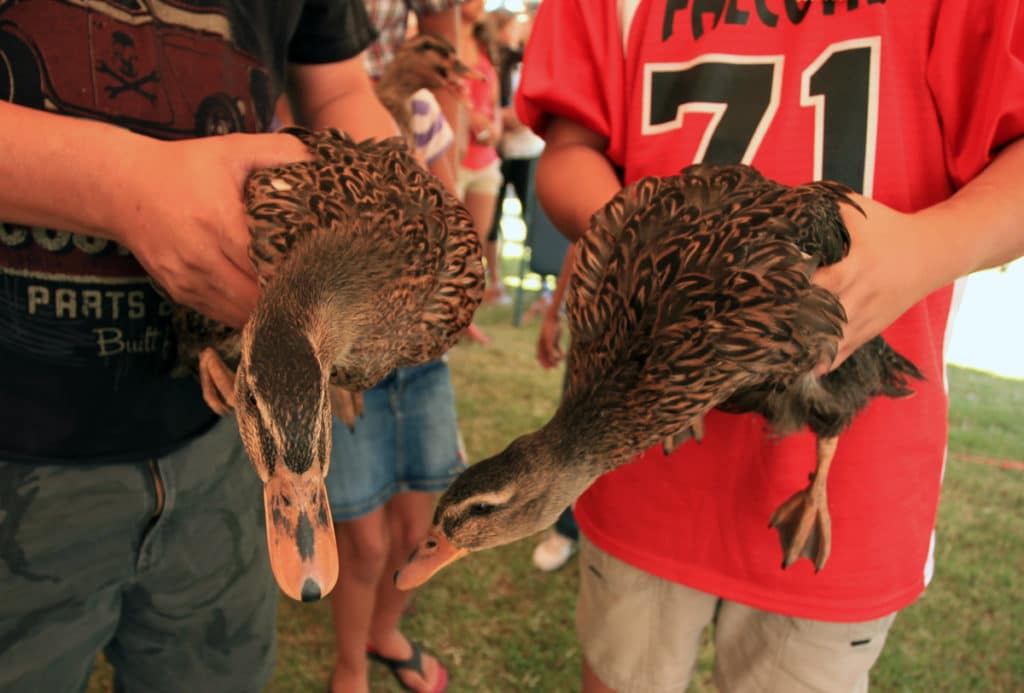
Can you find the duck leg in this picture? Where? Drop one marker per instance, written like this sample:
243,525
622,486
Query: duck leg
695,430
218,382
347,406
803,522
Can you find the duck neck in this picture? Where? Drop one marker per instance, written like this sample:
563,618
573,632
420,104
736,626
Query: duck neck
550,456
595,437
581,445
325,289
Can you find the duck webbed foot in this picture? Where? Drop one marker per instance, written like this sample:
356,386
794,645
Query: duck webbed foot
694,430
803,522
217,381
347,406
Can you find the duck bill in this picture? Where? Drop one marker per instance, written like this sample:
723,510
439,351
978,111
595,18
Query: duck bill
300,534
432,554
456,85
466,72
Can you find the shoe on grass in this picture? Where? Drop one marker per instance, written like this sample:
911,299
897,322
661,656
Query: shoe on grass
554,552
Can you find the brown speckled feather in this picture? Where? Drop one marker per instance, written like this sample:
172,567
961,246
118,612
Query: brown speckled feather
692,289
690,292
411,232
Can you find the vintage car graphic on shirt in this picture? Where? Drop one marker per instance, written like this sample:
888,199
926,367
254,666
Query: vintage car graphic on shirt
165,68
158,67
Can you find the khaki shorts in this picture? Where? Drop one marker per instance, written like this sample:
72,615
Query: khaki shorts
484,181
640,633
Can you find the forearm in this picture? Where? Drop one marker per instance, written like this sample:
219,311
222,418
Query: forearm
337,95
981,225
898,259
509,119
574,178
177,206
359,114
564,276
62,172
497,126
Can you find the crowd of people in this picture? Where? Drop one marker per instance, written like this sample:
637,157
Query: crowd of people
130,522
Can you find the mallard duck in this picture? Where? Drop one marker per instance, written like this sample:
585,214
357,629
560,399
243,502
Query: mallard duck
424,61
689,292
365,264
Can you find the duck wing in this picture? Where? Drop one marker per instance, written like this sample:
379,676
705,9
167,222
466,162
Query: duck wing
404,232
812,210
687,289
827,404
414,239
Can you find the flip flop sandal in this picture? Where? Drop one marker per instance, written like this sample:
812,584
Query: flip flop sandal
414,663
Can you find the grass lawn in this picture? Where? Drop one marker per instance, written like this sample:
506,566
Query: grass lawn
499,625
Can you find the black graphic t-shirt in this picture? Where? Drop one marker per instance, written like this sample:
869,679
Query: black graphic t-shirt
85,347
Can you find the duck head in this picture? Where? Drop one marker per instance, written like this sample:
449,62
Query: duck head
512,495
426,61
284,417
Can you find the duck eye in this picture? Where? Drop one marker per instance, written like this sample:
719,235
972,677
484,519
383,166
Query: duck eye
251,398
478,509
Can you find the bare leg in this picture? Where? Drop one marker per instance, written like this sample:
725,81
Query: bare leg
363,554
475,334
694,430
803,522
491,256
409,516
592,684
481,207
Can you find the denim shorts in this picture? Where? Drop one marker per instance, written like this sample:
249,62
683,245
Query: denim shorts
406,440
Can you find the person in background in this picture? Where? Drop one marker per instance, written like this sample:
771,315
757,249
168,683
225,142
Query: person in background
439,17
385,474
132,522
920,109
519,146
479,173
555,550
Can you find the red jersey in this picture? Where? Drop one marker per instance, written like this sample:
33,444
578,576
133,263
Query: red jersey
904,101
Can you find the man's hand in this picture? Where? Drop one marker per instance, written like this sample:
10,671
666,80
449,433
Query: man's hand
885,273
185,221
549,347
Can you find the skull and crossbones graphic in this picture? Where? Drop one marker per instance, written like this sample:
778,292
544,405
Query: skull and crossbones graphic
125,58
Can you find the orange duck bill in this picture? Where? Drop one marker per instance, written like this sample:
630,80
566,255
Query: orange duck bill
433,553
300,535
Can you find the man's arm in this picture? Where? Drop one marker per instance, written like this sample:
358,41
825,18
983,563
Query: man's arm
574,178
339,95
897,259
549,346
176,205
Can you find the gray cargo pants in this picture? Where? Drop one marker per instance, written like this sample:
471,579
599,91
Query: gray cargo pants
161,564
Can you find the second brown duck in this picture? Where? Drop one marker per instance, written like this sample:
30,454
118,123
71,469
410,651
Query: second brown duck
690,292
